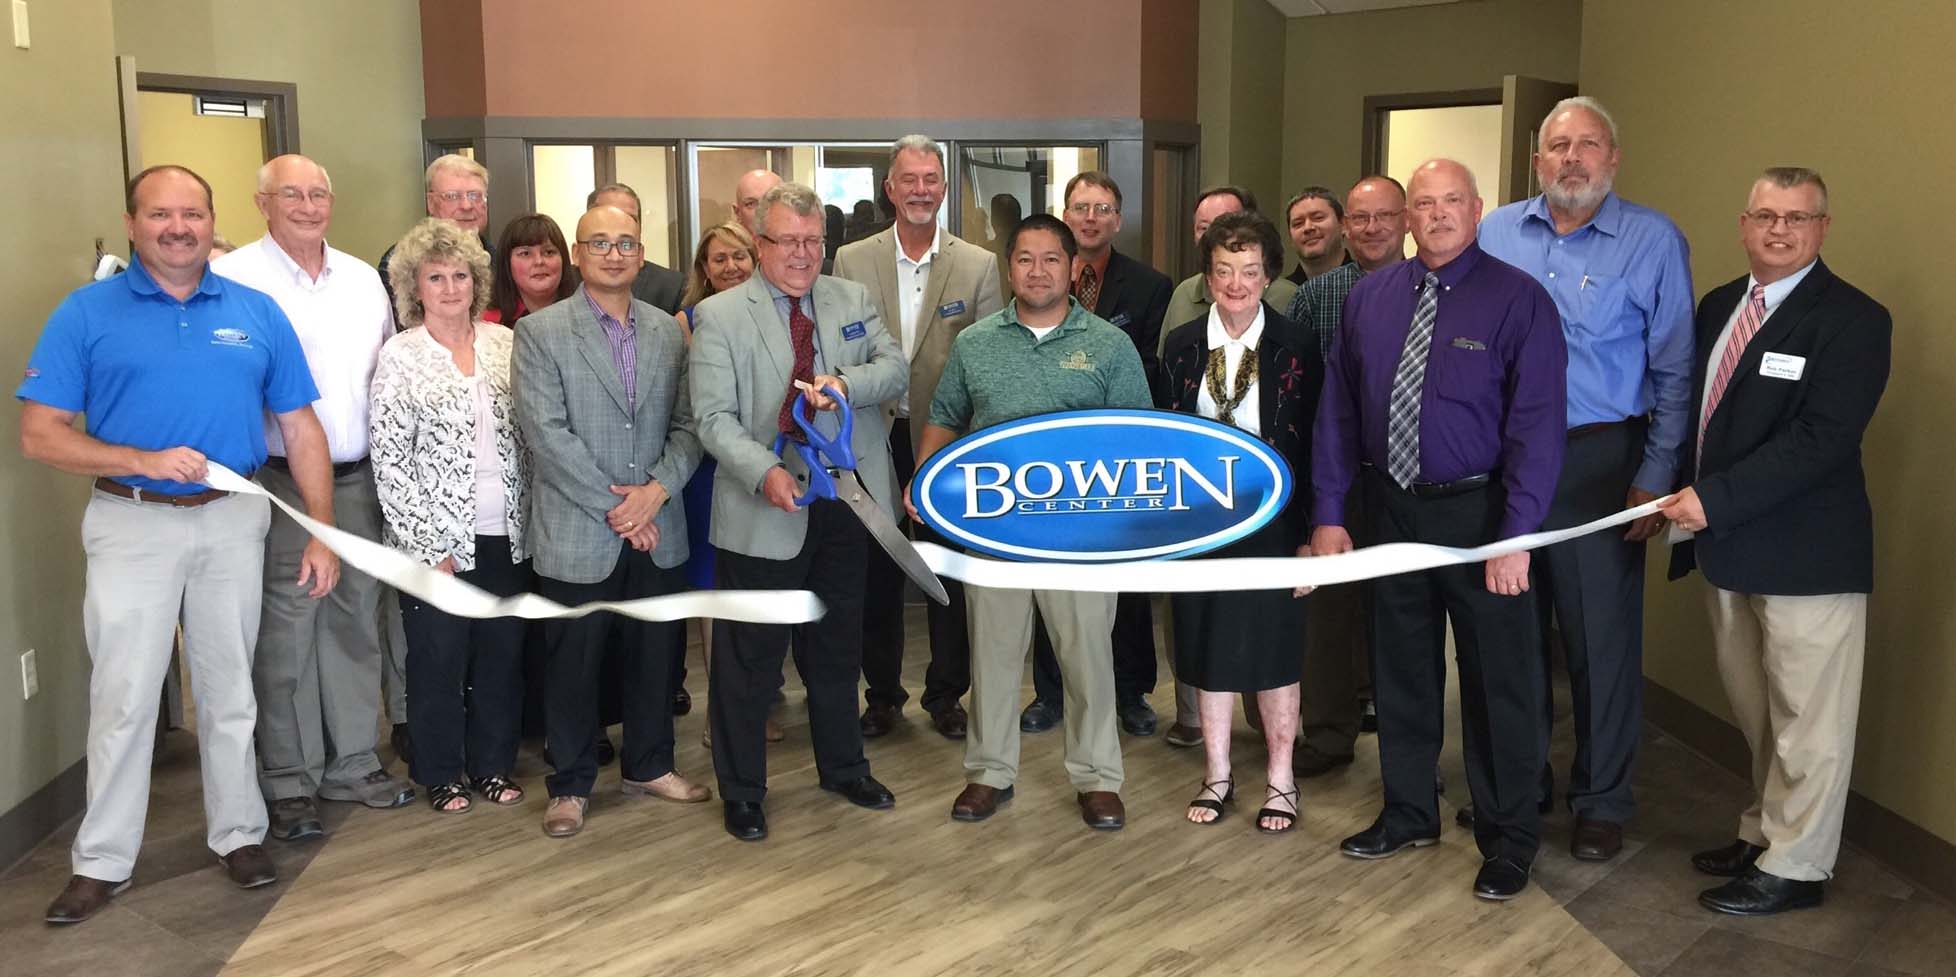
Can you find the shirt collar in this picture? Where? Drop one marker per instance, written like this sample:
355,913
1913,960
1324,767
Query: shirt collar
1453,271
606,318
936,241
275,253
1779,290
1607,219
1099,267
142,283
1218,338
774,292
1076,315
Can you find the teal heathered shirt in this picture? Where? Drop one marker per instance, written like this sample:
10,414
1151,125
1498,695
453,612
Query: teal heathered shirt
997,371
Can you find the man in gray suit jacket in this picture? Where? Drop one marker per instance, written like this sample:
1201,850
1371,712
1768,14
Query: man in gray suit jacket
600,387
789,329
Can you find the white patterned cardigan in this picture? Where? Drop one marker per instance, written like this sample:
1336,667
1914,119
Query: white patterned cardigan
423,444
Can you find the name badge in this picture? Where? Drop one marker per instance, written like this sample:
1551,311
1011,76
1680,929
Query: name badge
950,309
1781,366
1120,320
854,330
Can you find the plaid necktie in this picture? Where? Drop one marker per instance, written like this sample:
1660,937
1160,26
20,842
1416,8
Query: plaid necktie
1402,415
1087,289
1750,319
801,332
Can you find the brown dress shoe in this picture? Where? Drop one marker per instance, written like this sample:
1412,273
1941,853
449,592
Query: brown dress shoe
1183,736
83,897
249,867
565,816
950,722
1596,840
1102,810
671,787
878,719
976,802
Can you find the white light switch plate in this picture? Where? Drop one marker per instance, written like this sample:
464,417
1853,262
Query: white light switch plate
20,24
30,676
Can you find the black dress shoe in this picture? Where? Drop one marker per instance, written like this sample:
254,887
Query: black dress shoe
877,720
1368,716
1308,761
864,792
1378,841
1137,717
1596,840
745,820
1761,893
1729,861
682,702
1501,878
1039,717
951,722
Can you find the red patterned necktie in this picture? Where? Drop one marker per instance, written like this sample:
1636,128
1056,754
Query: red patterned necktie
801,331
1750,319
1087,289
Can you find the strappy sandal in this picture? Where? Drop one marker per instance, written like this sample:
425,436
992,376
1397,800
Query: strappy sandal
1289,817
1211,799
498,789
442,795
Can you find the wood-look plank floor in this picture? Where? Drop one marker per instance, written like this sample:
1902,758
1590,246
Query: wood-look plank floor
652,887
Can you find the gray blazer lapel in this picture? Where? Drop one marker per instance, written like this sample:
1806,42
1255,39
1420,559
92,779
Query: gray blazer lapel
596,349
647,347
767,325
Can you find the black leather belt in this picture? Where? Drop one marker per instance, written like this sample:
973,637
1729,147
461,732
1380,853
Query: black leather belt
341,469
1439,490
1584,429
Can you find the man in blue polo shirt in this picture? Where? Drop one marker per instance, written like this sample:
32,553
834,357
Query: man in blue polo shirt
175,368
1620,275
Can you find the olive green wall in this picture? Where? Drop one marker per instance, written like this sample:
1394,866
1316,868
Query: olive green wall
358,67
1240,97
59,136
1707,94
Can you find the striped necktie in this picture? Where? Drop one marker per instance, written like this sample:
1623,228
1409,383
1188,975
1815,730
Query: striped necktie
1750,319
1402,414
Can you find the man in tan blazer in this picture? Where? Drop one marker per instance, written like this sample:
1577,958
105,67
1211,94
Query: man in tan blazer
929,284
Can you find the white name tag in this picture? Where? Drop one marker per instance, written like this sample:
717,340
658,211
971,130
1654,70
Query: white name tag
1780,366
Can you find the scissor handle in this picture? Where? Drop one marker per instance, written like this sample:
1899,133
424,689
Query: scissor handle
840,450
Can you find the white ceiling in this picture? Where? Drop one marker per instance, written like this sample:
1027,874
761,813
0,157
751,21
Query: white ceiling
1312,8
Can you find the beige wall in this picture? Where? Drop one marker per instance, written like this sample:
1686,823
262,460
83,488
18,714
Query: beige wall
1697,126
1334,62
226,152
358,67
63,190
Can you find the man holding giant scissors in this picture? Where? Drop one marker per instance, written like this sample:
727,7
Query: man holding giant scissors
791,332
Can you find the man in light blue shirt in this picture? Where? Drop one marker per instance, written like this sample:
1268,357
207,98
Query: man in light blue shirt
1621,278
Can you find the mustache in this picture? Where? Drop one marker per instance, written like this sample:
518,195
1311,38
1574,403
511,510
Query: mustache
177,239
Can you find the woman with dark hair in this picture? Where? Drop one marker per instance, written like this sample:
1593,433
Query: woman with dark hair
530,269
1246,365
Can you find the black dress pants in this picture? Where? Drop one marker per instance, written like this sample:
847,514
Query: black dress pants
577,652
744,670
1497,643
1134,654
1594,589
948,677
465,677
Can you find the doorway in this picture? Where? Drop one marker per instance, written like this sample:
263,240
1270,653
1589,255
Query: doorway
222,128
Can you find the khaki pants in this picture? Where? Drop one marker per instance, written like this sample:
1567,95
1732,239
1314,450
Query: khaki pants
1081,627
150,567
1792,670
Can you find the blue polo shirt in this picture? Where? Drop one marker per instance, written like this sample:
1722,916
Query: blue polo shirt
151,372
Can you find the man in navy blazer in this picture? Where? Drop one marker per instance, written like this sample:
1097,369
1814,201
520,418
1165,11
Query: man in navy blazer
1791,362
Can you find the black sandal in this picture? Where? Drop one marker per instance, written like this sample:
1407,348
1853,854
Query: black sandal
1211,799
442,795
1290,817
498,789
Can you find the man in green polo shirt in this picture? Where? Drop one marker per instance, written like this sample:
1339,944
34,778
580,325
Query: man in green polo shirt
1042,353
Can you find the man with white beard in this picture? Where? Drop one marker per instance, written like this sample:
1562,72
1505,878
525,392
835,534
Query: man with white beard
1621,278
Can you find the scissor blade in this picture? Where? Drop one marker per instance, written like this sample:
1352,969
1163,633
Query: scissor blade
851,491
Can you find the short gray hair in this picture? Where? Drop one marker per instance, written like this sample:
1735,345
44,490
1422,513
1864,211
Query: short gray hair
917,143
797,197
265,172
454,161
1581,102
1472,184
434,239
1788,177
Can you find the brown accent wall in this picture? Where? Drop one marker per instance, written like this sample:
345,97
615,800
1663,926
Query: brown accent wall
453,70
1169,64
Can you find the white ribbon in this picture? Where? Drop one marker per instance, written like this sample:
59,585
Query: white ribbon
411,576
1245,573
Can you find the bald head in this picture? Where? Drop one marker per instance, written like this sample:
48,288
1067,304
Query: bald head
747,193
1444,208
296,197
614,270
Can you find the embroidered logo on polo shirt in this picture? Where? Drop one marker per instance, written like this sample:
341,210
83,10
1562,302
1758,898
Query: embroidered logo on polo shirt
32,373
230,337
1077,360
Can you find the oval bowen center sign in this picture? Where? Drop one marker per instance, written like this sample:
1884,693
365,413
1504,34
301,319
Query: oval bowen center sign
1099,486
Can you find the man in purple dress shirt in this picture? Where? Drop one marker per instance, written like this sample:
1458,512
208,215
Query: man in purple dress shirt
1445,397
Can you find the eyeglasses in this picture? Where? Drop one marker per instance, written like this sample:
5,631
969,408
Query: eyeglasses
600,246
792,245
1360,219
1795,221
1098,210
293,195
457,196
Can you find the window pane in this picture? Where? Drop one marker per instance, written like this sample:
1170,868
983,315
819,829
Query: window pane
564,176
1002,184
648,170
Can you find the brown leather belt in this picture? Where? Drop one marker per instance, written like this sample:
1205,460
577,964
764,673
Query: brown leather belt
190,501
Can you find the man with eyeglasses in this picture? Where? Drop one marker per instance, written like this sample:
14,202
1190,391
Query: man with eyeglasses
317,667
787,331
1133,297
599,381
1336,691
1620,275
457,190
656,285
1444,396
929,285
1316,225
1790,364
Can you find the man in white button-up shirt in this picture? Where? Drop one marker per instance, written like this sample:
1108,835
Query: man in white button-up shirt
318,662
